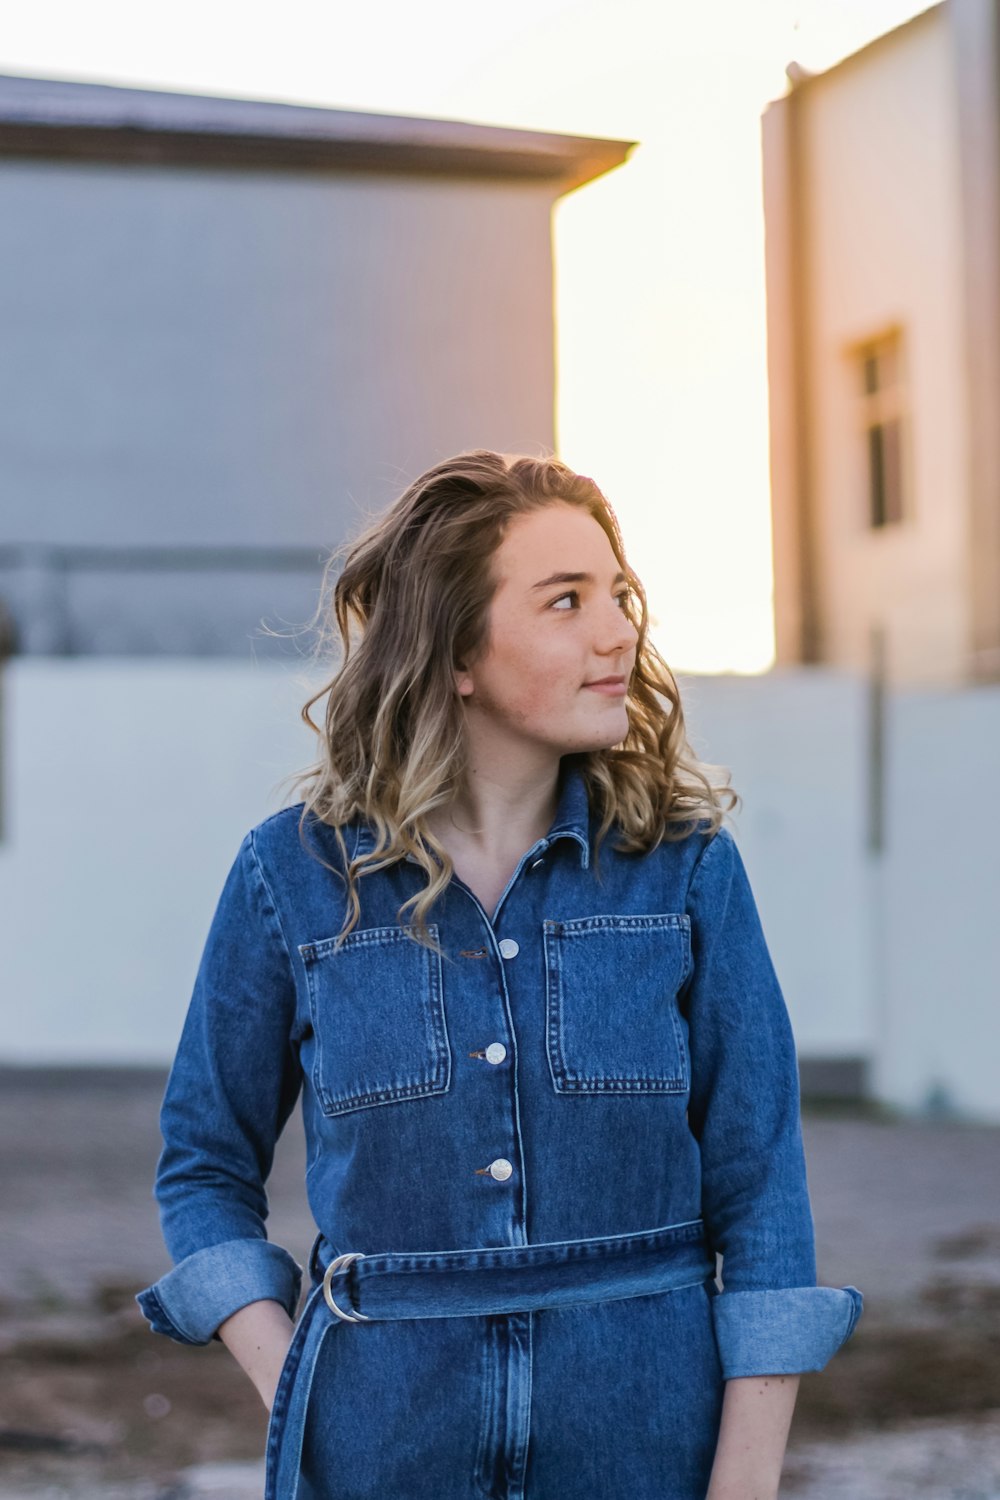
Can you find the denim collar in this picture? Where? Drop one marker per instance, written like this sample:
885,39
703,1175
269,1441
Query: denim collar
572,819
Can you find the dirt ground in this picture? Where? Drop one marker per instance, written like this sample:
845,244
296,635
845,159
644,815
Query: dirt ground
92,1403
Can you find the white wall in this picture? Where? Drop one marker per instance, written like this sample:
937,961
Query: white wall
940,911
794,741
128,785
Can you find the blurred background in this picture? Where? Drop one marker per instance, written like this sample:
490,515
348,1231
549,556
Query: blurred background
739,263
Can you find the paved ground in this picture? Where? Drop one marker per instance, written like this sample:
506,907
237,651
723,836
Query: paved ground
940,1460
92,1404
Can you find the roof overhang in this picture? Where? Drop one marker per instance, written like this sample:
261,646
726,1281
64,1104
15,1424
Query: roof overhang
46,117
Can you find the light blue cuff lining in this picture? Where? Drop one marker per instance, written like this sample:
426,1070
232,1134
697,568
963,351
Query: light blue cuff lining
783,1331
205,1288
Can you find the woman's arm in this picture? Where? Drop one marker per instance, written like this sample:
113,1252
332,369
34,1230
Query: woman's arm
756,1417
235,1079
258,1337
772,1321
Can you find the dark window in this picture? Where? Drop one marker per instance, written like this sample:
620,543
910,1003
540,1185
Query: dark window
882,420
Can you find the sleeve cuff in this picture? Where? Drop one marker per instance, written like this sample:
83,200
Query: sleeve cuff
783,1331
205,1288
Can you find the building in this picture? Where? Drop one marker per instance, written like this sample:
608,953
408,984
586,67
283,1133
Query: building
882,213
231,325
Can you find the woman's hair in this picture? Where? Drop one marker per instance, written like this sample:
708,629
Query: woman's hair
417,585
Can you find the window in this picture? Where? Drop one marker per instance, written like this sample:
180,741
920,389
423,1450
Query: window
880,387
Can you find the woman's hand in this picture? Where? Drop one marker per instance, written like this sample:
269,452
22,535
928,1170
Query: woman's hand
258,1337
756,1418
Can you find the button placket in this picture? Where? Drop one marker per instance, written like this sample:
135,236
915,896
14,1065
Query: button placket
495,1053
501,1168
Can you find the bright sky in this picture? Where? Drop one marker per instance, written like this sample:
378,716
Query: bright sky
659,264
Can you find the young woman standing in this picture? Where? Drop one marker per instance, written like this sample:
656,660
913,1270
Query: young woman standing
507,954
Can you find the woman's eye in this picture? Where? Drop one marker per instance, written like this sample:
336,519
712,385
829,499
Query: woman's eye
623,598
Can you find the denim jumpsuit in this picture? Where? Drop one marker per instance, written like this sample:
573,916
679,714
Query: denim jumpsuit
524,1158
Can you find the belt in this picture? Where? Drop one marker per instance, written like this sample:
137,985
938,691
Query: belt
360,1288
355,1287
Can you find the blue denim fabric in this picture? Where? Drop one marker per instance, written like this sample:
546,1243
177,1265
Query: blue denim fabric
537,1308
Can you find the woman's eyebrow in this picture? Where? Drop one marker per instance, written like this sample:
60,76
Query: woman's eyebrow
546,583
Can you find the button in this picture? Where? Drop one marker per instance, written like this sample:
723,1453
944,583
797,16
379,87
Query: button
508,947
496,1052
500,1169
536,862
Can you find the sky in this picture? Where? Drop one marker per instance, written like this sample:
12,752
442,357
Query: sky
659,265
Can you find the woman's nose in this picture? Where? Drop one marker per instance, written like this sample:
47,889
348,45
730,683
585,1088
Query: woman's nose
622,634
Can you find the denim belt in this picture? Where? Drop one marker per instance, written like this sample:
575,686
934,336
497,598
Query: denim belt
354,1287
510,1278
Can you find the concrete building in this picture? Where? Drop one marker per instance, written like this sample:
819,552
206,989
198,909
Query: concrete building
229,326
882,210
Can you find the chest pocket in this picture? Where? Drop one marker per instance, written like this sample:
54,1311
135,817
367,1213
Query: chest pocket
377,1010
612,1021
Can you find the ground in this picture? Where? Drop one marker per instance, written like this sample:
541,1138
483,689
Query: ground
92,1403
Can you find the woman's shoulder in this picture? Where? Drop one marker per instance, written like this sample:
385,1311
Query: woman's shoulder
293,834
670,866
712,834
702,850
689,841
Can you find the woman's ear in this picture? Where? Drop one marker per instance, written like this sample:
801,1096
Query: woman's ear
463,681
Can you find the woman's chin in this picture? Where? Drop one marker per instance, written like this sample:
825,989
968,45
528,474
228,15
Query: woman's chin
605,733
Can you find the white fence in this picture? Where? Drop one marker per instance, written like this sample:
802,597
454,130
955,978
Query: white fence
128,783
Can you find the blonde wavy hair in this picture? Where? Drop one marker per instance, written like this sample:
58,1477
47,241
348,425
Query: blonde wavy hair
416,586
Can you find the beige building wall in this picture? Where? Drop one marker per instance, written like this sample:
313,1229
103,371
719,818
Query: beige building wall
884,225
868,231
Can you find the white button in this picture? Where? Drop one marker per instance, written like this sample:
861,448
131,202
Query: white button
496,1052
508,947
536,862
500,1169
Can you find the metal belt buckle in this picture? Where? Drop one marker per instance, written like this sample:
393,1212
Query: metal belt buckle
335,1265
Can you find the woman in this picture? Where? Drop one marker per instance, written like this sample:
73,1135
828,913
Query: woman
508,955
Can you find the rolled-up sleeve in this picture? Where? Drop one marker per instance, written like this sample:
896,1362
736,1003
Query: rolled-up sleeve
770,1317
233,1084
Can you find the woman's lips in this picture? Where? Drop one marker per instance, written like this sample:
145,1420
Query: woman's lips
613,685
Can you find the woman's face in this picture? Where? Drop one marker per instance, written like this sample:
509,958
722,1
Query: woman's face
552,634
